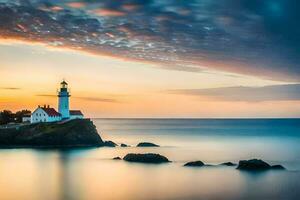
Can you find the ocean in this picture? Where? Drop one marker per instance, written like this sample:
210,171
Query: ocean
91,174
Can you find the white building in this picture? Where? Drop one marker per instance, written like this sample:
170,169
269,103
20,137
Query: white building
47,114
26,118
76,114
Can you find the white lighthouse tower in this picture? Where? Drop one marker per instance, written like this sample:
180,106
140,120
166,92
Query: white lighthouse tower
63,100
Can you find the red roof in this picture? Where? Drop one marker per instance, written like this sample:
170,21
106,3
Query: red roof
51,112
75,112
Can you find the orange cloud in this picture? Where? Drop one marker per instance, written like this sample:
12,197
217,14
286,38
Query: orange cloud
130,7
108,12
76,4
53,8
56,8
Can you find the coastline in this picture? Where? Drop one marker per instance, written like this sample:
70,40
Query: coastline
77,133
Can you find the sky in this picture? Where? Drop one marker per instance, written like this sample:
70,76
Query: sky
153,58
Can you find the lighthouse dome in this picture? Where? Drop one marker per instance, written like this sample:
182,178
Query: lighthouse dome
64,83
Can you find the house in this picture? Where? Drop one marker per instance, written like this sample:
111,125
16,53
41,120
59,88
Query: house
26,118
48,114
45,114
76,114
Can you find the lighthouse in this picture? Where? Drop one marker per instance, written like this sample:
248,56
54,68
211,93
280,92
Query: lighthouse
63,100
48,114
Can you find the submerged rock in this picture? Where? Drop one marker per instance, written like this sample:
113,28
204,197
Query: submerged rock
124,145
147,144
256,165
117,158
194,164
230,164
69,134
253,164
146,158
279,167
110,144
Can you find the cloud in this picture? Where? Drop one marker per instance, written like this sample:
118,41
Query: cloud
76,4
95,99
10,88
288,92
46,95
105,100
251,37
108,12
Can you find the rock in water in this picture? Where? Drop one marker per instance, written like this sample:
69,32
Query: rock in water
117,158
110,144
253,164
124,145
256,165
69,134
279,167
147,144
194,164
146,158
230,164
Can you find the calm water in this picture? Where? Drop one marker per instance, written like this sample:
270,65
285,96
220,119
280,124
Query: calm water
90,174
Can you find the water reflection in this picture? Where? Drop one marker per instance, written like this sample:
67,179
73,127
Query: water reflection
83,174
92,174
65,176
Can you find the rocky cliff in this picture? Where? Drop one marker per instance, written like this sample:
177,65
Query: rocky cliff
73,133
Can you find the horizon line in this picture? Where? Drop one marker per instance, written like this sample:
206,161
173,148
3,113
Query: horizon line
202,118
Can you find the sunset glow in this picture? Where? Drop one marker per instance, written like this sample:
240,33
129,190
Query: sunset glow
149,99
129,71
